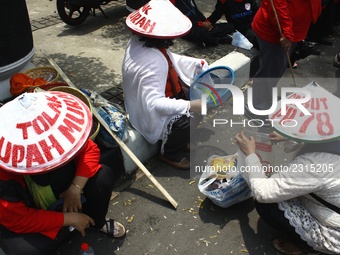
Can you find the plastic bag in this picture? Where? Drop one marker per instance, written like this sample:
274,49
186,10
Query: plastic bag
239,40
226,190
264,147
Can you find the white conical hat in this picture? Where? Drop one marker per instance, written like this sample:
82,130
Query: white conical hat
159,19
42,131
322,125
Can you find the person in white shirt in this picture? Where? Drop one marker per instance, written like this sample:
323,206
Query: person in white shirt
285,202
151,73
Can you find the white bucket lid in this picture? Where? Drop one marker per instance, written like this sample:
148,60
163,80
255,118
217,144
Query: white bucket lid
159,19
42,131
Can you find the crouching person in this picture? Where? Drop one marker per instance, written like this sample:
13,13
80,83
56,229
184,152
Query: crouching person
50,176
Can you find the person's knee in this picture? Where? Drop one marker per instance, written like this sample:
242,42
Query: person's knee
107,176
262,208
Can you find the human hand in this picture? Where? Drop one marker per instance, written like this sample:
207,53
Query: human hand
72,199
195,105
207,25
246,145
285,43
79,221
276,137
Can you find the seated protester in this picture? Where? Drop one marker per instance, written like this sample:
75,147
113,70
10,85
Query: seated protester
203,32
300,199
289,201
153,97
51,178
240,13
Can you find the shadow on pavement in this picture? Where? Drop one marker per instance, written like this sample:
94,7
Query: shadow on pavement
83,71
256,238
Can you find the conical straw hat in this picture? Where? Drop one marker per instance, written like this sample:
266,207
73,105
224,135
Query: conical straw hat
42,131
323,123
159,19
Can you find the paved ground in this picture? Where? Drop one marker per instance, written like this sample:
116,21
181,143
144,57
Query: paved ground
91,56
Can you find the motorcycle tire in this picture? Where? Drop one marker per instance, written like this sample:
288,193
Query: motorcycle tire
72,14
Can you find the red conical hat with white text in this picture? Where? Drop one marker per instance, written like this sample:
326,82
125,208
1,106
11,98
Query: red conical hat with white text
42,131
159,19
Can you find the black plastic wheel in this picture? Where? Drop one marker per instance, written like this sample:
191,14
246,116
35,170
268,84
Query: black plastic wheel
71,14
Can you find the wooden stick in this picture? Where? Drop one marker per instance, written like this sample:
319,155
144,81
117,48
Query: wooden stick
287,53
135,159
117,139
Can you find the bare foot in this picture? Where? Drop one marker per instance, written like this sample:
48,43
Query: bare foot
286,247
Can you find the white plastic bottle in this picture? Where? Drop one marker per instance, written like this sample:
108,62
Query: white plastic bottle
85,249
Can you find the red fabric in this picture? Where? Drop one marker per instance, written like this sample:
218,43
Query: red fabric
295,17
20,82
87,161
21,219
168,88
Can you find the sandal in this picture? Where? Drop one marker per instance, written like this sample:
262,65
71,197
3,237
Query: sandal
113,229
183,164
286,247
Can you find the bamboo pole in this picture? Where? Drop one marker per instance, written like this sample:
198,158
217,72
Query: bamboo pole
117,139
135,159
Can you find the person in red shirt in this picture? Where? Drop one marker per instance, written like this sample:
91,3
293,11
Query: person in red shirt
37,209
295,17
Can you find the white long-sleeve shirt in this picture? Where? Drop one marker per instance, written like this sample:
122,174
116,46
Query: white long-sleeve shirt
145,72
314,172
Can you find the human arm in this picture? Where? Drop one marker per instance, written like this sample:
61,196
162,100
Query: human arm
289,145
280,11
87,164
245,144
196,106
276,137
191,11
205,24
292,181
217,13
265,22
72,195
152,85
285,43
19,218
79,221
